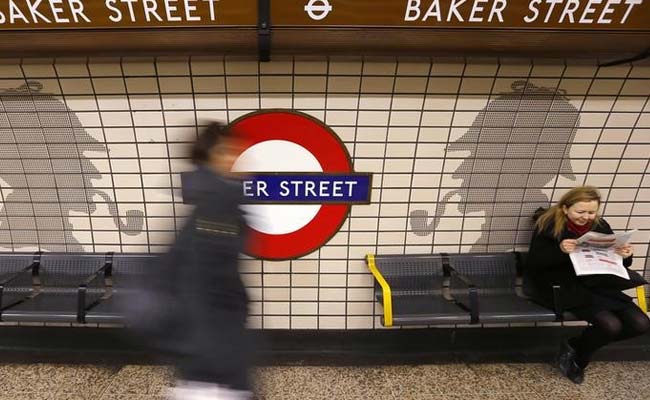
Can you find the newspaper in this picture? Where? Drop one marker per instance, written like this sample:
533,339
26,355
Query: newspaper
595,254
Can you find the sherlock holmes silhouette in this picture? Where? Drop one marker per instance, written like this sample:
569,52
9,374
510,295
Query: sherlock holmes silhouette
42,145
518,144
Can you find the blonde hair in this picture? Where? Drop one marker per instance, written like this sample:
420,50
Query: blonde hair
555,215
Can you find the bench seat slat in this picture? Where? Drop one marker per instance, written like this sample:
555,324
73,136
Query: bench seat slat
108,311
51,307
420,310
511,308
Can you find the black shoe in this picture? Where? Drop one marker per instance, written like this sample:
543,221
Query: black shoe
567,364
576,374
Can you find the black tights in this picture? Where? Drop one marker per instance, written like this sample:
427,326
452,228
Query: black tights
607,327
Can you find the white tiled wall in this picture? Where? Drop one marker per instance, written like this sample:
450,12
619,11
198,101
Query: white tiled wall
435,134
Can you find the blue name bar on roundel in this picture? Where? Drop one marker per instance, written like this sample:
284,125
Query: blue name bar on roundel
306,188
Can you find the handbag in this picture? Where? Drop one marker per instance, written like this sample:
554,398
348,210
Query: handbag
614,282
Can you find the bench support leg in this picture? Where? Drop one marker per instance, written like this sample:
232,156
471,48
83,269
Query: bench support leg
640,296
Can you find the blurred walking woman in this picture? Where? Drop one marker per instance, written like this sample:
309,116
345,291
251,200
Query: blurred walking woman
209,325
612,314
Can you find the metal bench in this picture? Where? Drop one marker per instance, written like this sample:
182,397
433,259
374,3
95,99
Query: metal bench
457,288
128,270
412,291
63,286
498,294
68,287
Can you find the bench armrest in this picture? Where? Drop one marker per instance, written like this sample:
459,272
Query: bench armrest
558,308
458,280
455,280
385,287
98,279
28,269
641,298
103,272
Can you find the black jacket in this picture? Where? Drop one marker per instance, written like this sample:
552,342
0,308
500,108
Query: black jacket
547,265
210,290
199,303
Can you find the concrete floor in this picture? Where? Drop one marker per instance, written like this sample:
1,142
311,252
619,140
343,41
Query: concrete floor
604,380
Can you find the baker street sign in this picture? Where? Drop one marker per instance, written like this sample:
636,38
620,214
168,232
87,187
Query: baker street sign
500,14
57,14
591,12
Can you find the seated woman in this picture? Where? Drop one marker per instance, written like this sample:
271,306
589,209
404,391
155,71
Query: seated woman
612,314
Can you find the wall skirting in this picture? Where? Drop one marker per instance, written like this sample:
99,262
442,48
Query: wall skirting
311,347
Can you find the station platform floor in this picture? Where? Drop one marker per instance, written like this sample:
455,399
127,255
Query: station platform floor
459,381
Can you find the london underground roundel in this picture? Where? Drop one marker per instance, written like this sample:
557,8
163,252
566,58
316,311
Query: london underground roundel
298,183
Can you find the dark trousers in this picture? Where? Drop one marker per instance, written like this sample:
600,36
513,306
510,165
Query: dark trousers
216,348
607,327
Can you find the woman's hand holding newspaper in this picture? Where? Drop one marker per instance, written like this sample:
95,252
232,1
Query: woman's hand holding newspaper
625,250
568,245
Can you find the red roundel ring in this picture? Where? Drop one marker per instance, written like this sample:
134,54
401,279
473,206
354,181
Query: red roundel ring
327,148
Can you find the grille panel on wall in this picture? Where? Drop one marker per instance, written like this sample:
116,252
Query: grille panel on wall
461,154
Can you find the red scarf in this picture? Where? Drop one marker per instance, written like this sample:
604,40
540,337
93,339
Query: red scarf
577,230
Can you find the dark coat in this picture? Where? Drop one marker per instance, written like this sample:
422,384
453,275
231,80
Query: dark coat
201,298
547,266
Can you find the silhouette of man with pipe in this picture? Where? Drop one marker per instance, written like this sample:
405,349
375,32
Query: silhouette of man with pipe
42,145
518,144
